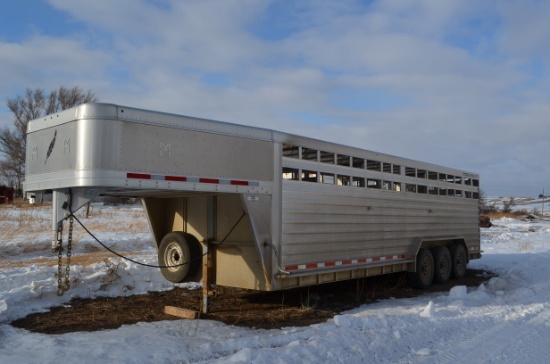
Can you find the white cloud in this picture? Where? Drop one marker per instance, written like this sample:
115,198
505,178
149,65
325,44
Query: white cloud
524,32
47,62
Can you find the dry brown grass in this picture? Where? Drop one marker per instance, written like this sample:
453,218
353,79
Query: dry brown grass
28,230
81,259
500,215
21,203
24,221
102,220
28,219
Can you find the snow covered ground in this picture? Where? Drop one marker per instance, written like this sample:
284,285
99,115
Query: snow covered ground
505,321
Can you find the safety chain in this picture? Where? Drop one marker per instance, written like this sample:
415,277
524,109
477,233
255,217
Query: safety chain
59,256
63,287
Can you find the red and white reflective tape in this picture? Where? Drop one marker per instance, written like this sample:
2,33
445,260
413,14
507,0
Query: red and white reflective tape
386,258
474,248
157,177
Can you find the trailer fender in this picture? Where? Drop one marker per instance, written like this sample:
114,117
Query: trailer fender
430,243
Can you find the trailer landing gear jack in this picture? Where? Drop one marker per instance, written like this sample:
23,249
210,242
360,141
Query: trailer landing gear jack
208,274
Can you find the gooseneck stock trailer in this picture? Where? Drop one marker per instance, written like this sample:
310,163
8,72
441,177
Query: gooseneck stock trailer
292,211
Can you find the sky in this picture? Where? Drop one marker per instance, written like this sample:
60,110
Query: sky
458,83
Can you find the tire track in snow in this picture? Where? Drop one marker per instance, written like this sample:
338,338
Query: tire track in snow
512,341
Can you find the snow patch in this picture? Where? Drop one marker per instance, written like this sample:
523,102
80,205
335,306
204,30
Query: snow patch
342,321
429,310
458,292
422,352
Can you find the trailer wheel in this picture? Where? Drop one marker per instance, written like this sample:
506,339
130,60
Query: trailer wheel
176,249
460,260
442,263
424,274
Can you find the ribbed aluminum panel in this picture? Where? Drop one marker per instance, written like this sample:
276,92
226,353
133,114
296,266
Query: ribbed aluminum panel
325,223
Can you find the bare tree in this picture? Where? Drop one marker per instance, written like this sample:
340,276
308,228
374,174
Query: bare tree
32,105
485,207
508,205
11,174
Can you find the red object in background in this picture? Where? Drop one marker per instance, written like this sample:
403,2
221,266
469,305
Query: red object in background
6,194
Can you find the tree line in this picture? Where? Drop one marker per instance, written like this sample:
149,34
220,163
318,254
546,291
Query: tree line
33,104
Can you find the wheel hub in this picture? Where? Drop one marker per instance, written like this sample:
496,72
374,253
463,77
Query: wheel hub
173,256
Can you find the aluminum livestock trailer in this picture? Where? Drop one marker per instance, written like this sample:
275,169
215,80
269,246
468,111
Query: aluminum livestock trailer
292,211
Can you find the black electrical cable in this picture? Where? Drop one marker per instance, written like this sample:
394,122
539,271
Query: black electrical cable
145,264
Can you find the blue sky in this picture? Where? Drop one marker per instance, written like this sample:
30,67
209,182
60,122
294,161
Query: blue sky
460,83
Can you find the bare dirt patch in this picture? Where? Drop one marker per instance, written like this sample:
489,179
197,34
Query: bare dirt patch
232,306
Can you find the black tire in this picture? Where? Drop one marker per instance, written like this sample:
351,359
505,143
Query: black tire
424,274
175,249
442,264
460,260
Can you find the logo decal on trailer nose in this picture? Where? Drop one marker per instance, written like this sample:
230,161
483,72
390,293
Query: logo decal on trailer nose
50,148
